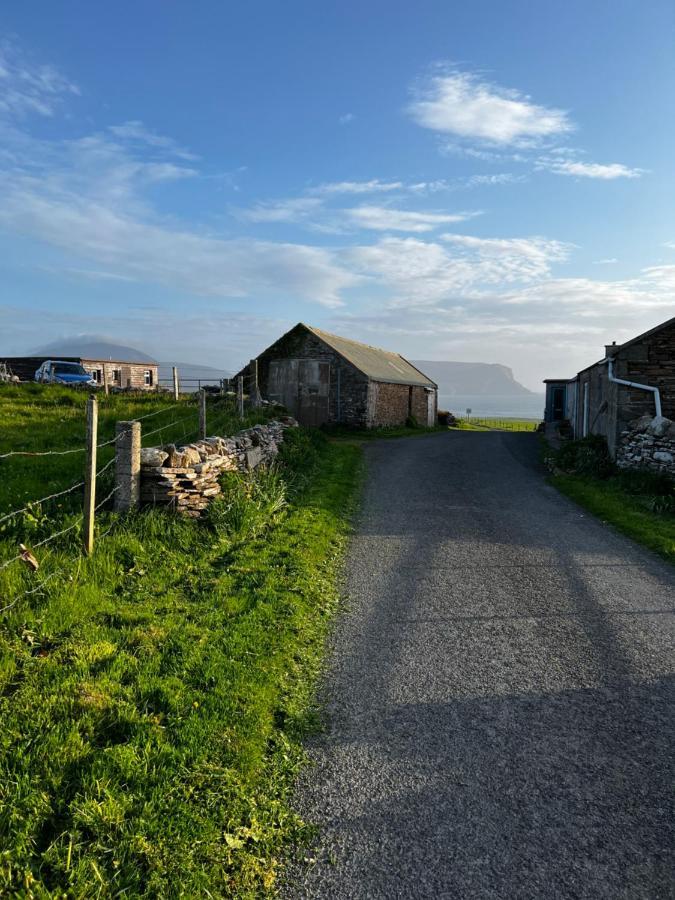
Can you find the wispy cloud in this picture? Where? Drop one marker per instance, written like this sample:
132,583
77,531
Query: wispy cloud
136,132
374,186
460,104
297,209
495,124
29,89
346,118
603,171
383,218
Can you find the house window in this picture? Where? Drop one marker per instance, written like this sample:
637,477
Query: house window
116,376
97,375
148,377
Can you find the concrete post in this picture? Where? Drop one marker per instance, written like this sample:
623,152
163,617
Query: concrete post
174,372
127,466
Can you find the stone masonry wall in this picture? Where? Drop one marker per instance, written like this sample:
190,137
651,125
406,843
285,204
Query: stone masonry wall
186,478
391,404
648,443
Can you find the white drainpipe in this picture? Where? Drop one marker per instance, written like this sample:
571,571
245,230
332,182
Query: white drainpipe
634,384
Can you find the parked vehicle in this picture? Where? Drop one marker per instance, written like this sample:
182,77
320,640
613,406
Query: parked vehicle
56,371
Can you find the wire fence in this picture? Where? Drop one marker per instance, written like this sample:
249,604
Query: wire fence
189,426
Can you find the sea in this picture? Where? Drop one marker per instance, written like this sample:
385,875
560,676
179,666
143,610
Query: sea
486,406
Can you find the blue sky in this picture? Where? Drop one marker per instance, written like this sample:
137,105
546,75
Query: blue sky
480,181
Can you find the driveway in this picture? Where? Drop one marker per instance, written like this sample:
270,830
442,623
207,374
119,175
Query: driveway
500,691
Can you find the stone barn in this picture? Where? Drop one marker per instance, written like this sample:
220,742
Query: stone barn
322,378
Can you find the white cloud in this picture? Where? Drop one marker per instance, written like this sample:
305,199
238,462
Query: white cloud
605,172
515,258
382,218
418,272
609,261
346,118
136,132
374,186
460,104
292,210
26,88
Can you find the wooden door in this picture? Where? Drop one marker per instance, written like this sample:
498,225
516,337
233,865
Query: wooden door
303,387
313,392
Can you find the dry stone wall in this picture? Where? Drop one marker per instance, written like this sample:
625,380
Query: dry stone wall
648,443
186,477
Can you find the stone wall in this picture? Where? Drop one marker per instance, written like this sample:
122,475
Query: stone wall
648,443
186,477
391,404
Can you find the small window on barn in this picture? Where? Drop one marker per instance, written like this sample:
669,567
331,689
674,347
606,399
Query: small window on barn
97,375
148,377
116,376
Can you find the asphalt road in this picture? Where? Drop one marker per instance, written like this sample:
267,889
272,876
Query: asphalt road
500,694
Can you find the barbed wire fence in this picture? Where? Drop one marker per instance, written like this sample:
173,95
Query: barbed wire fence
189,426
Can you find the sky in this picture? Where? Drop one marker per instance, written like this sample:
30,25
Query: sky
484,181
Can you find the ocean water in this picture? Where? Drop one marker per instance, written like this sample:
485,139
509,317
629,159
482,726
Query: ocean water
528,406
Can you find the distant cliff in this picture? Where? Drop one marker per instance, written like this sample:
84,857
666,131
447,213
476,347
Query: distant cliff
489,379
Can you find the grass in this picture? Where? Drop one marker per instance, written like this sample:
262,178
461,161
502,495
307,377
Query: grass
638,502
475,424
50,417
628,513
154,697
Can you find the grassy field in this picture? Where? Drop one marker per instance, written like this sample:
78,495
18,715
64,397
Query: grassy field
633,512
638,502
49,417
154,697
476,424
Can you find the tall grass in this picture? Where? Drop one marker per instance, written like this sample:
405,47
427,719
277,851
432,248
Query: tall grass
154,696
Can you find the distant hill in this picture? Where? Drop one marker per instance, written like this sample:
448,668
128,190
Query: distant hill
192,370
90,346
463,378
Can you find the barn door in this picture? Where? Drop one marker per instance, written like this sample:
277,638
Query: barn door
282,384
302,386
313,390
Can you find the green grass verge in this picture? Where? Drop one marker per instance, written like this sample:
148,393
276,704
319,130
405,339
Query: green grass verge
626,512
154,697
475,424
36,417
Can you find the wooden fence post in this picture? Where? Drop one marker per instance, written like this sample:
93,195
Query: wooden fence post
127,465
175,383
202,413
90,475
240,396
106,387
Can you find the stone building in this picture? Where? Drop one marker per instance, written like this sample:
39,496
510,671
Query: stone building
120,374
323,378
633,380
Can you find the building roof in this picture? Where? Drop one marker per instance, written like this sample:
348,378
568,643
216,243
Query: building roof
378,365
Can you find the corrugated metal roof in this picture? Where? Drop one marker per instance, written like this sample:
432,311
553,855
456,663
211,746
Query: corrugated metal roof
379,365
